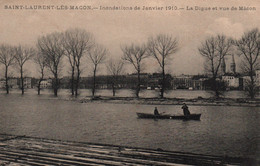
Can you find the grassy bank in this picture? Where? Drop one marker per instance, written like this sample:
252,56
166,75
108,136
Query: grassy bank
175,101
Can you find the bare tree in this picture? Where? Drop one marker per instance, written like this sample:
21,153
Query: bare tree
51,46
115,69
22,55
69,46
77,42
214,49
135,54
249,48
40,61
162,47
7,54
97,56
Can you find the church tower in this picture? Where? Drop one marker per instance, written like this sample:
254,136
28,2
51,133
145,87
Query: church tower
223,66
233,65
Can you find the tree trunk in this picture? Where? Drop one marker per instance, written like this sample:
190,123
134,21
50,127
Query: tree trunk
94,81
6,80
55,92
251,86
22,81
39,83
163,83
113,89
77,82
215,87
138,84
72,81
56,82
39,87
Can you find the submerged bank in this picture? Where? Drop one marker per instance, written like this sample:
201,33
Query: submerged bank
175,101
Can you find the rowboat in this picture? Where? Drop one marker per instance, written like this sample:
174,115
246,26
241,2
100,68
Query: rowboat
168,116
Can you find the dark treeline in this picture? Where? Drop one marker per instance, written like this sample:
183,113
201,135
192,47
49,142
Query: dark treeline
78,48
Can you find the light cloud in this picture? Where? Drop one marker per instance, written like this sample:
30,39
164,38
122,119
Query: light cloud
224,25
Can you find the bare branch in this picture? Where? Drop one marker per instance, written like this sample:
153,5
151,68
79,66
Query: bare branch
249,48
97,55
135,54
115,67
7,55
162,47
76,42
51,46
214,50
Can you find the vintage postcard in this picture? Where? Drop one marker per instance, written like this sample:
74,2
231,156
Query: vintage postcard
129,82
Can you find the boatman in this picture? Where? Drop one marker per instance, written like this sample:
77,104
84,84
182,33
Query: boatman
156,111
185,109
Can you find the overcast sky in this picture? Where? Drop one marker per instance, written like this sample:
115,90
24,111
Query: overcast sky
115,28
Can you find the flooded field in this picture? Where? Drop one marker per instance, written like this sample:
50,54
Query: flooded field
222,130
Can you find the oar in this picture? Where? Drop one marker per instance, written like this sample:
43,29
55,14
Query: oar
162,113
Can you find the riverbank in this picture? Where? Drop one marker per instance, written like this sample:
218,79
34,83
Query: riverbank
241,102
176,97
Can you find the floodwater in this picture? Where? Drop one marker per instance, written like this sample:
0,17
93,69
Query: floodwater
222,130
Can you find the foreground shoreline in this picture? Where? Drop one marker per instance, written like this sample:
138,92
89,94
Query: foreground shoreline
26,150
240,102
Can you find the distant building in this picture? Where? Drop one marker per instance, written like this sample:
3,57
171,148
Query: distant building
13,82
129,81
187,82
46,83
223,68
27,82
232,81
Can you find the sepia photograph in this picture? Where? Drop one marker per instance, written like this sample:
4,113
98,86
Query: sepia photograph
129,82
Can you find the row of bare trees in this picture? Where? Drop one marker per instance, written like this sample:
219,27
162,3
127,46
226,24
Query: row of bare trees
160,47
18,56
48,54
215,48
77,44
6,58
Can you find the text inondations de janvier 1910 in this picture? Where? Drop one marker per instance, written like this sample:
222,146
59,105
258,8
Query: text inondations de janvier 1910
167,8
